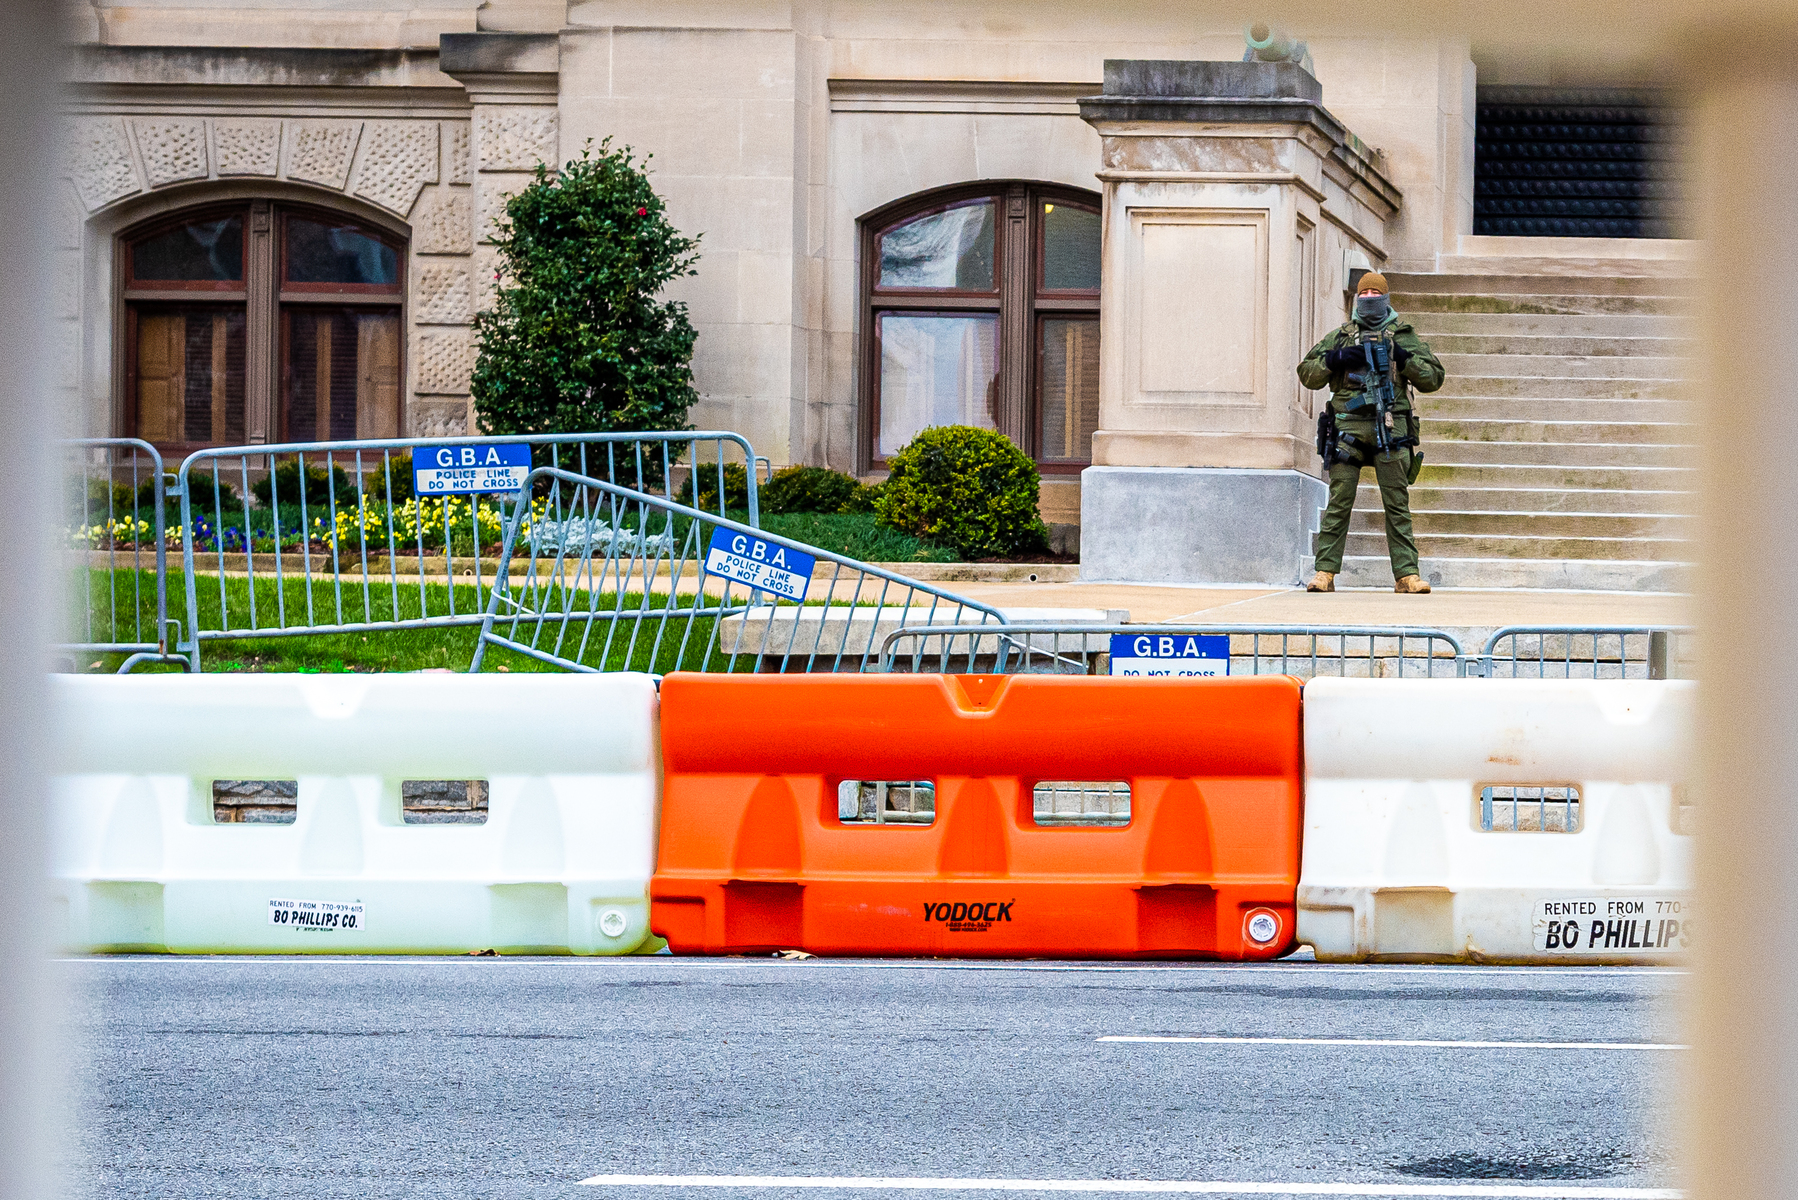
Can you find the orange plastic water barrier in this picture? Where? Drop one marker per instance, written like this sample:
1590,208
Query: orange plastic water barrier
765,843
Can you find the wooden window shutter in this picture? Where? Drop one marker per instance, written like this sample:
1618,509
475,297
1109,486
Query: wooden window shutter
162,377
378,377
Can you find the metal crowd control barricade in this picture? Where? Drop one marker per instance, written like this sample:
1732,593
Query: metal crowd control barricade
613,579
113,516
1582,652
327,537
1304,651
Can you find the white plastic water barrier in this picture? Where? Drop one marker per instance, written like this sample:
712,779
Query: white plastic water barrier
1496,820
561,864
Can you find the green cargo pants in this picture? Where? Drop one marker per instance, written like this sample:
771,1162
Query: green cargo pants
1392,471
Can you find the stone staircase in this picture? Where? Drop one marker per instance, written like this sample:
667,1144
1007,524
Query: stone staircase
1559,453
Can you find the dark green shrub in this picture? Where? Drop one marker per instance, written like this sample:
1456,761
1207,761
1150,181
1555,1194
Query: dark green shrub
577,340
863,498
200,490
375,482
967,488
99,499
736,488
807,490
284,486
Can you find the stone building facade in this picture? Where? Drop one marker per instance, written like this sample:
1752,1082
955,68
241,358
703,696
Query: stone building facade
899,204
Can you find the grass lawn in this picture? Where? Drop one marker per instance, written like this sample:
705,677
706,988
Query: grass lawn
228,602
448,647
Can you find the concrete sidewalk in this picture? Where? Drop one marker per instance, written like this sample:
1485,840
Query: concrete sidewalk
1285,606
1469,615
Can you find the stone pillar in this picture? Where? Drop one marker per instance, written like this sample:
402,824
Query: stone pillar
513,82
1234,203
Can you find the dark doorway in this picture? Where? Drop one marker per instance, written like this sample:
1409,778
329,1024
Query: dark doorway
1572,162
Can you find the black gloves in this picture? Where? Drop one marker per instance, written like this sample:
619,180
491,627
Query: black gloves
1400,355
1345,358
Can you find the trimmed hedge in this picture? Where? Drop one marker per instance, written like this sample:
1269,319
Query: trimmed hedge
863,498
807,490
970,489
736,487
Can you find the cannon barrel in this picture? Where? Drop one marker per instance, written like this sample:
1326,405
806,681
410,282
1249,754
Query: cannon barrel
1269,44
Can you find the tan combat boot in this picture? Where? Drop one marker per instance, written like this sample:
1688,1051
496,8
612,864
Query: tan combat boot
1323,581
1411,585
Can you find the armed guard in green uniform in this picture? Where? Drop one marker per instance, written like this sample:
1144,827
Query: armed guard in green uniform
1369,422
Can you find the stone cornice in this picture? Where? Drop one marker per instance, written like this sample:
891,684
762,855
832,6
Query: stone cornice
504,68
190,66
1016,97
1350,158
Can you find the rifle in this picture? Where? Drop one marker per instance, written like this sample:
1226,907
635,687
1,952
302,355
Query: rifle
1379,391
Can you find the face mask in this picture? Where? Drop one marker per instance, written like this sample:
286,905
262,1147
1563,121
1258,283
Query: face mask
1372,310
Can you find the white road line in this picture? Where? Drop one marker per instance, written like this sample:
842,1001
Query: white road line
1165,1186
1442,1045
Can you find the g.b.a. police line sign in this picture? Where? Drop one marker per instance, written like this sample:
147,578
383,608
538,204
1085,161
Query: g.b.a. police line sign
1170,654
460,470
761,564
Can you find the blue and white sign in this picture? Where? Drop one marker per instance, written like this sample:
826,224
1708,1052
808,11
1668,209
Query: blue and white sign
760,564
461,470
1170,655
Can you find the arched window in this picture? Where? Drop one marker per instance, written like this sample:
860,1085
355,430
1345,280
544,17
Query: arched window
981,307
260,322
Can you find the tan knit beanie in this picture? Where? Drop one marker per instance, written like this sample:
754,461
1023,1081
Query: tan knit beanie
1374,280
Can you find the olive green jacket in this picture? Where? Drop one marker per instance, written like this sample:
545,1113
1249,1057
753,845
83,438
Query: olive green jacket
1421,370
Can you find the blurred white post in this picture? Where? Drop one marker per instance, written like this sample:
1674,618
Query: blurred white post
1742,1101
29,1100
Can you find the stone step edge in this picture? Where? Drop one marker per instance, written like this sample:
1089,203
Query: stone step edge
1545,491
1521,514
1429,445
1616,576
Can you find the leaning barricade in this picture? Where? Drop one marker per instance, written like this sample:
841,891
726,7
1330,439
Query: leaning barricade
386,534
140,861
1496,820
978,816
1585,652
1177,651
112,513
621,580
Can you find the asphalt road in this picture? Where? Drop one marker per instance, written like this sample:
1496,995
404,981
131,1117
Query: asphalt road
464,1078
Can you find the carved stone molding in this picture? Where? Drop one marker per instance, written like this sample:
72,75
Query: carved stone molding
173,148
490,202
321,151
458,154
398,159
487,277
443,222
440,418
445,361
445,293
514,138
247,146
98,158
